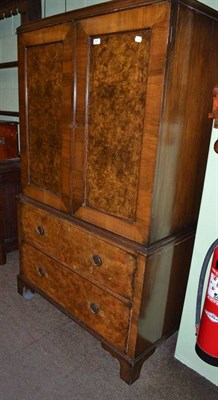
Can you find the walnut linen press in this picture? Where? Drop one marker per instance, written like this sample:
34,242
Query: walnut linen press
114,103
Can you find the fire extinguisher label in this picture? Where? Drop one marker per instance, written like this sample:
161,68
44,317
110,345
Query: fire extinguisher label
212,316
212,292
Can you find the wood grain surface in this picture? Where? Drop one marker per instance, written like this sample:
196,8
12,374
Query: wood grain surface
108,219
76,249
78,295
124,202
117,92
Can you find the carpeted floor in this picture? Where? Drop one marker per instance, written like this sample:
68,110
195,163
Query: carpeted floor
46,356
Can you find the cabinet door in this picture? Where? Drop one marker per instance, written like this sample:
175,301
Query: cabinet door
120,62
46,86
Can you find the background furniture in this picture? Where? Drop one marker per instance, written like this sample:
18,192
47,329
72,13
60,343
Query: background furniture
8,140
9,189
28,10
9,163
113,168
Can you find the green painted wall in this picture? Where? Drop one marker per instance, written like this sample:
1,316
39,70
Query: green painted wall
207,233
8,48
8,45
51,7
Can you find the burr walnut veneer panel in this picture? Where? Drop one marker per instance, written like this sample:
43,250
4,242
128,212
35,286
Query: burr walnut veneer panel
81,251
125,137
117,81
87,302
47,69
44,81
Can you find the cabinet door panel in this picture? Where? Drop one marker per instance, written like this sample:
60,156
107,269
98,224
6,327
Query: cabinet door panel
44,113
46,94
120,75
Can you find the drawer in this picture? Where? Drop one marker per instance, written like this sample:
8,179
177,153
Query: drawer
79,250
100,311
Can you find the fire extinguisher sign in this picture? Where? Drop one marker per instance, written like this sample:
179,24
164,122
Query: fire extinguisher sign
207,331
212,293
212,316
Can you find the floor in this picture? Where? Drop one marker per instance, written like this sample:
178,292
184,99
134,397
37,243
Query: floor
46,356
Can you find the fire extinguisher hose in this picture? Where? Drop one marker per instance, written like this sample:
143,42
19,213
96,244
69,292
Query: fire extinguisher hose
201,283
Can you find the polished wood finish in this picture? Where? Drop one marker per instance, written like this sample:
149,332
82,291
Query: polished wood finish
166,274
115,121
45,174
108,215
81,251
84,300
185,136
129,368
155,19
9,188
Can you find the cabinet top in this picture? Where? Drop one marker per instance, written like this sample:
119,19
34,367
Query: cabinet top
111,7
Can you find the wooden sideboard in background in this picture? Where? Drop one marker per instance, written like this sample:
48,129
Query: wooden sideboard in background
9,189
10,184
28,9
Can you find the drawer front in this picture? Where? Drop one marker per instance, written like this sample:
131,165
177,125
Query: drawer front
100,311
78,250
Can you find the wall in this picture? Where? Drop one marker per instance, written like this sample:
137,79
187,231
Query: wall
51,7
8,46
8,49
211,3
207,233
8,52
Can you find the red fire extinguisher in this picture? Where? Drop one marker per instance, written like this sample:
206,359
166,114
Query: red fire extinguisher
207,324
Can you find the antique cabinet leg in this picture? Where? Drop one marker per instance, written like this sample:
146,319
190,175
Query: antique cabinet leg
129,369
130,372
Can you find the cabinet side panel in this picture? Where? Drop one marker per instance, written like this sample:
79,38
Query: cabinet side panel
185,131
118,76
166,275
44,83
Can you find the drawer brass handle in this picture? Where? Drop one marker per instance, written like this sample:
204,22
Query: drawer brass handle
40,230
94,308
97,261
41,271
